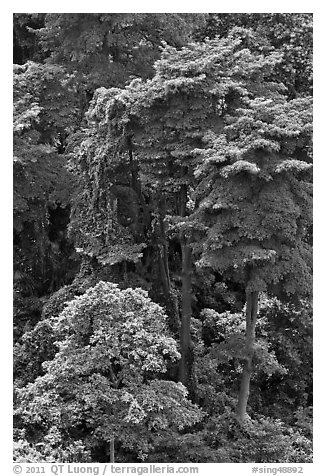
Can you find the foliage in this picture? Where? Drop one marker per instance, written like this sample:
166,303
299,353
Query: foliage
248,175
26,44
187,107
36,344
223,440
140,149
280,356
187,173
112,344
51,450
288,329
44,113
218,356
262,441
288,33
107,48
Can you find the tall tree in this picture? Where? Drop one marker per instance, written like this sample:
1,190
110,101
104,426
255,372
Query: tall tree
256,203
164,122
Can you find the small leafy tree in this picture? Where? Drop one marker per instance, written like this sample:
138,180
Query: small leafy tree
104,382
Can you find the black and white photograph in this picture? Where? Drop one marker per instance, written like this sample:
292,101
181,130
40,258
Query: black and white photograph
162,241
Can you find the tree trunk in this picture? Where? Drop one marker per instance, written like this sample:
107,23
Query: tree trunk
162,244
185,338
112,449
164,256
136,185
186,309
251,318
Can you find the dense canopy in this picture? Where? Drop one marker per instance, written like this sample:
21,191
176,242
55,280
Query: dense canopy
163,237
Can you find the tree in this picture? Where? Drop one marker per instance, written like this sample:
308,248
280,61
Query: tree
84,49
256,203
45,112
108,48
291,34
105,381
188,177
163,123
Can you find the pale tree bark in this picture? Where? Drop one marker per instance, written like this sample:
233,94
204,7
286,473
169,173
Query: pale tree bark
251,319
